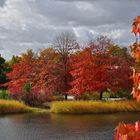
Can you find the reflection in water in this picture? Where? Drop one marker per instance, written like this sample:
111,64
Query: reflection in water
61,127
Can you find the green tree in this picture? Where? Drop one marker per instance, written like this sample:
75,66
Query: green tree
122,52
14,60
4,68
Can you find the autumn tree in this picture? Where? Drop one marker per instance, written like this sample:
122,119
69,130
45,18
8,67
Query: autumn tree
124,62
20,75
65,44
89,73
97,68
36,77
49,72
82,72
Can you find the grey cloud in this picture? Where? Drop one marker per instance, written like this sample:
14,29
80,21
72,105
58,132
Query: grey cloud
34,23
2,3
88,13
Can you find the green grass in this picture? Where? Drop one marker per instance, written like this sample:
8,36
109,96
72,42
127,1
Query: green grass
95,107
12,106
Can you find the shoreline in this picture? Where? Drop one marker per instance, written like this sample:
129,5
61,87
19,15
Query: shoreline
72,107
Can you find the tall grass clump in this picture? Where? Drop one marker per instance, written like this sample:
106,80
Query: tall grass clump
95,107
4,94
11,106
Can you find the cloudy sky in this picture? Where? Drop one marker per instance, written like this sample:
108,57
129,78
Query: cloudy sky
34,23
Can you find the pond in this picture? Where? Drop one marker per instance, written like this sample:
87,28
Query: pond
62,127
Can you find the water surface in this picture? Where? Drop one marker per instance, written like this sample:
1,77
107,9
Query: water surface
62,127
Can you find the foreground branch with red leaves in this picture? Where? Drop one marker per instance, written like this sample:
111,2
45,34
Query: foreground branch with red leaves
135,48
129,131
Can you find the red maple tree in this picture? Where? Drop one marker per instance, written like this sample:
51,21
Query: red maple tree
40,76
96,69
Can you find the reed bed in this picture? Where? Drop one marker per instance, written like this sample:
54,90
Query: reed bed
11,106
94,107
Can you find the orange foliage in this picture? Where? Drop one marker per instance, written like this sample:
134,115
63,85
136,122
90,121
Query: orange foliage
97,70
135,48
43,73
136,26
136,87
128,131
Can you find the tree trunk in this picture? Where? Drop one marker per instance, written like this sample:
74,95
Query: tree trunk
66,96
101,95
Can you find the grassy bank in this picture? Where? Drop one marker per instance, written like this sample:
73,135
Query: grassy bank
83,107
11,107
72,107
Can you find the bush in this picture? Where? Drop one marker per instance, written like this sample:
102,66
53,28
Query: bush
87,96
106,95
121,94
95,96
84,96
125,93
54,98
79,107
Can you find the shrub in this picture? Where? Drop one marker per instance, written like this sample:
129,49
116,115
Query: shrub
106,95
87,96
84,96
95,96
54,98
121,94
124,93
79,107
